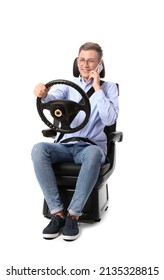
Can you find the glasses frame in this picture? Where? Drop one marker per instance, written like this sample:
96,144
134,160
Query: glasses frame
90,61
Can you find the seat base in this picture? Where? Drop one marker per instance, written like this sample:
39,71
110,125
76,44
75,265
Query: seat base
99,197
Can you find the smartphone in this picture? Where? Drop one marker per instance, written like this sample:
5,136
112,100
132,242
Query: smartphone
99,67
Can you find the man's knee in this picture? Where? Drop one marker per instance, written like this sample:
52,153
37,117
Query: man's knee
94,154
37,150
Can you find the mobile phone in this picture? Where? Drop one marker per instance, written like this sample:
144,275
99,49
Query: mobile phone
99,67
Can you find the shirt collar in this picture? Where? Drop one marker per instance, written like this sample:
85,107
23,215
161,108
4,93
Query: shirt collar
84,83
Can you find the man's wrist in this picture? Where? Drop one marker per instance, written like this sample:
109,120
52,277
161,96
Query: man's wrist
97,88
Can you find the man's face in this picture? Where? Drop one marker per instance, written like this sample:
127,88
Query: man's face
87,62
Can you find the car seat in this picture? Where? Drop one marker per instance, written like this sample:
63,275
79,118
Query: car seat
67,173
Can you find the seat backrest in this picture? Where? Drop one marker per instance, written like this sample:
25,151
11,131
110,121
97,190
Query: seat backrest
110,145
108,130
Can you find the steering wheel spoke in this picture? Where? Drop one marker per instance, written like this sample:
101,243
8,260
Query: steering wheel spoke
81,107
46,106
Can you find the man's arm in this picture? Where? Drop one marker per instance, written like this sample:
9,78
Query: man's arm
107,103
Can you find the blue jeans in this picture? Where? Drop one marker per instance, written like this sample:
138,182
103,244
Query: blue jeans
89,156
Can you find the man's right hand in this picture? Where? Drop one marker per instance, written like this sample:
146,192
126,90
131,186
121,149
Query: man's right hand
40,90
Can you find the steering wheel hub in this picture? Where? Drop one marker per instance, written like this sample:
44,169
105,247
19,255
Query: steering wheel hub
58,113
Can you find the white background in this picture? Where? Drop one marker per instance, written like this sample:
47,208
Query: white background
39,41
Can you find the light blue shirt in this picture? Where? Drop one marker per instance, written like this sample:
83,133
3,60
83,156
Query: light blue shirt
104,109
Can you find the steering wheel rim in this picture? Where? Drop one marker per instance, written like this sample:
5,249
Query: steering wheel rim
58,107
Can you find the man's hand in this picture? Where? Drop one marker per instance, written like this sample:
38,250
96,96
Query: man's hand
96,79
40,90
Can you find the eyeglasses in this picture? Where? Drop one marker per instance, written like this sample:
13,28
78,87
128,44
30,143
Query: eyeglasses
89,61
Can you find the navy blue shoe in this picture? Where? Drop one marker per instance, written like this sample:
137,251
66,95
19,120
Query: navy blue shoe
70,230
54,227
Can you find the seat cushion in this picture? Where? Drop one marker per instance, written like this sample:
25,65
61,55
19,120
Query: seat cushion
72,169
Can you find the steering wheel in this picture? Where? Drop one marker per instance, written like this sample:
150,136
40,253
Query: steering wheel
64,111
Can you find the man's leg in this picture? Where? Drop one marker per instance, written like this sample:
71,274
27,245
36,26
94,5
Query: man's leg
91,158
43,155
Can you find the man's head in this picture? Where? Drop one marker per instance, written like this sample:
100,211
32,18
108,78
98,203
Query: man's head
89,56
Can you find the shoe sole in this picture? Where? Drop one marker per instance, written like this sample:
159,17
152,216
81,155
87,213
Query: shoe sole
50,236
69,237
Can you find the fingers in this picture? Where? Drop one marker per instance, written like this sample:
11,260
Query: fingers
96,79
40,90
95,75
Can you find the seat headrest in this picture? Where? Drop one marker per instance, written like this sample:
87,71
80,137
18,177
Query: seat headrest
76,72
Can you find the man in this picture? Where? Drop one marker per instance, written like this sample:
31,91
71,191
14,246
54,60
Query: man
104,111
